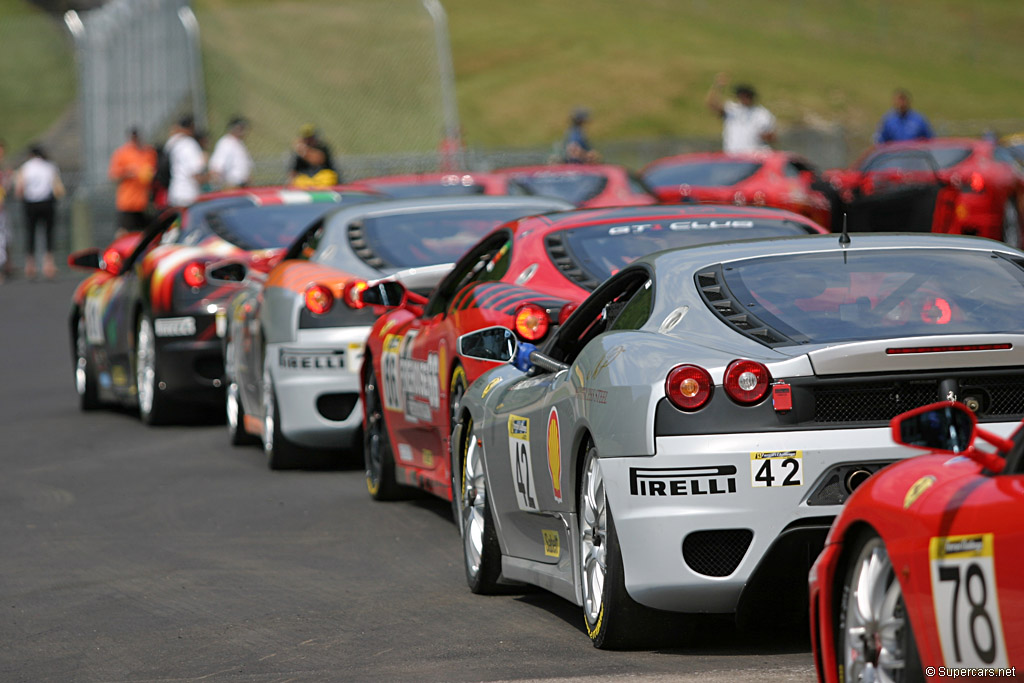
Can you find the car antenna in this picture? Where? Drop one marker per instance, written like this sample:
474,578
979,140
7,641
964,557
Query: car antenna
844,236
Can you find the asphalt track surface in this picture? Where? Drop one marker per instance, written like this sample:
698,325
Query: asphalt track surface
130,553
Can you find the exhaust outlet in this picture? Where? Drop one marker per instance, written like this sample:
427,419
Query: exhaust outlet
855,479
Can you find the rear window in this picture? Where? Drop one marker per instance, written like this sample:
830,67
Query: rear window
917,160
600,251
266,227
878,294
701,173
438,189
575,188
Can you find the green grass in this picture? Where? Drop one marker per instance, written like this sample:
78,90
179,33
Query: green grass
37,78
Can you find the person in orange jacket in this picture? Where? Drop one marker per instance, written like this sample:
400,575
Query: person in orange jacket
132,166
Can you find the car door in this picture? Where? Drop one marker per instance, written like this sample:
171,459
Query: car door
541,417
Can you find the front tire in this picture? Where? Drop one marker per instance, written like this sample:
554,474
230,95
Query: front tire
874,640
85,376
612,618
1011,224
377,456
480,549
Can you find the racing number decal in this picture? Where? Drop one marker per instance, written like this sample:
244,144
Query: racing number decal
776,468
389,370
966,604
93,320
521,463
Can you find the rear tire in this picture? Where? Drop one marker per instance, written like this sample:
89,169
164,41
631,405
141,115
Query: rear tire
457,389
233,403
1011,224
154,407
874,639
377,456
85,376
281,455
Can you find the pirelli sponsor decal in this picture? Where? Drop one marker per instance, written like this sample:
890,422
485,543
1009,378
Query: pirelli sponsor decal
310,359
682,481
175,327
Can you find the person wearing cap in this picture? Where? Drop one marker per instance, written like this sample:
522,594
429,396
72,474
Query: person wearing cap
231,163
746,125
576,146
312,165
901,122
132,167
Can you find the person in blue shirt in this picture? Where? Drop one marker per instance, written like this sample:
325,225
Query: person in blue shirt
576,147
903,123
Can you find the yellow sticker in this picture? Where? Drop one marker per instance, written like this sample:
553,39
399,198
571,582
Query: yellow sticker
518,427
392,343
387,326
490,385
118,375
919,487
428,457
551,546
960,547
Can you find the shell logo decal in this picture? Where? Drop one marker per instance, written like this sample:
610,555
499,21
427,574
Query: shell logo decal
554,455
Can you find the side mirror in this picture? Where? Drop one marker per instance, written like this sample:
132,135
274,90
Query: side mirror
388,293
227,271
496,344
946,427
86,258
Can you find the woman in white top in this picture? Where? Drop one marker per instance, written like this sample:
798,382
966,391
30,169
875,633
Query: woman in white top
39,187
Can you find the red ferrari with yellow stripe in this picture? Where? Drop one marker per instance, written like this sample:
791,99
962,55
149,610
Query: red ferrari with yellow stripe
147,333
528,275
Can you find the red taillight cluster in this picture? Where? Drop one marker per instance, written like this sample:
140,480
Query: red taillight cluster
319,299
195,274
112,261
690,387
566,311
532,322
351,293
977,182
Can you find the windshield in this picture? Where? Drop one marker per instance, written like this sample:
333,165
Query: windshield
916,159
575,188
702,173
878,294
603,250
422,238
266,227
197,215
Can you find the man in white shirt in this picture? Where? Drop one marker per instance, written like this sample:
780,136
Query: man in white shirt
39,186
230,163
188,164
746,125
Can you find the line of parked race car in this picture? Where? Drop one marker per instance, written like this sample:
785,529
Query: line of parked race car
690,348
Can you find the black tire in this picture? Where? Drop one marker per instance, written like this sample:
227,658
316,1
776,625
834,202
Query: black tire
377,456
456,390
85,375
1011,224
234,408
481,552
281,453
154,407
618,622
868,547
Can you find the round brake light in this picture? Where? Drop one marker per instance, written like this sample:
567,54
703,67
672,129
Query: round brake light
747,381
532,322
688,387
112,261
351,293
195,274
566,311
319,299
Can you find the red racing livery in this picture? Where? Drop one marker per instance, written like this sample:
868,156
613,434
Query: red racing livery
527,275
921,571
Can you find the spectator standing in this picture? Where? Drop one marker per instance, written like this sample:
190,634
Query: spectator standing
5,263
576,148
901,122
187,164
312,165
746,125
38,186
132,167
231,163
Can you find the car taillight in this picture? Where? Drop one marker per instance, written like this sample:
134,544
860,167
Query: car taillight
566,311
319,299
688,387
112,261
977,182
532,322
747,381
352,291
195,274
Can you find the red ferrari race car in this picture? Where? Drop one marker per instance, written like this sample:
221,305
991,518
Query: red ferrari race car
921,578
528,275
780,179
587,186
456,183
147,335
954,185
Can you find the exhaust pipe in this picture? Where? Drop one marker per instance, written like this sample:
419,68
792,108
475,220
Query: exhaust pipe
855,479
